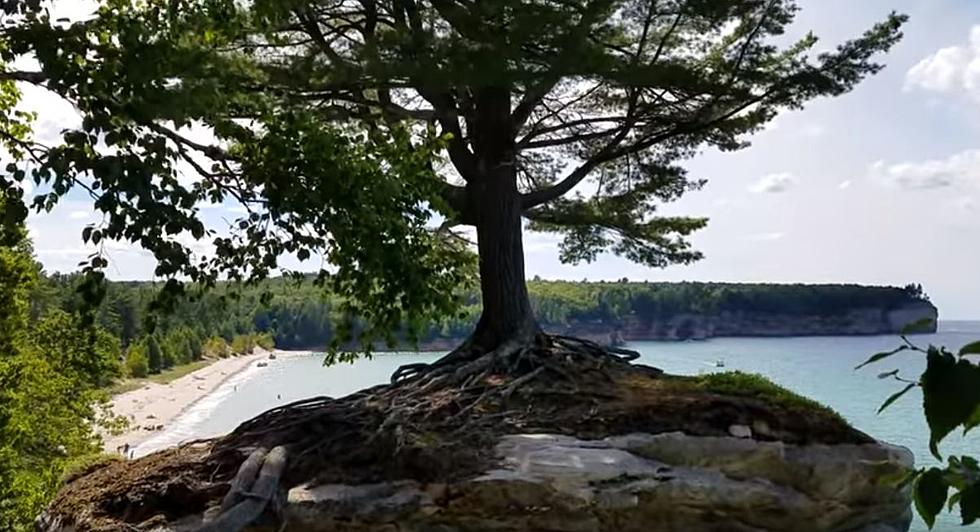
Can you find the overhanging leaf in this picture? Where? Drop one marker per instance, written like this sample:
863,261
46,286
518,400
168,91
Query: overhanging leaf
888,402
972,422
972,348
951,394
930,494
954,499
970,504
881,356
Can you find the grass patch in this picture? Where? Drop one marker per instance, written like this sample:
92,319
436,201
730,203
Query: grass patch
177,372
125,385
755,386
165,376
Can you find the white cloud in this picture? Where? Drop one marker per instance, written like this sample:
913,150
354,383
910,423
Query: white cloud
773,183
767,237
844,185
79,215
950,70
960,169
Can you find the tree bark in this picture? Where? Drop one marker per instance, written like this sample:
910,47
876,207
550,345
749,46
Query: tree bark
496,202
507,313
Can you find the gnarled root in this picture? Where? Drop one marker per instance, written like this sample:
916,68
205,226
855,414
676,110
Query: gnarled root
468,395
250,495
515,358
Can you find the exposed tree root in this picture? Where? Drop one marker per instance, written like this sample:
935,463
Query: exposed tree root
454,395
249,496
244,478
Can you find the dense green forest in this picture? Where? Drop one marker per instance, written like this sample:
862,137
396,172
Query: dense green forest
297,315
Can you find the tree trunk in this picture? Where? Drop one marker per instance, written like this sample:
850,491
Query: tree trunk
493,199
507,313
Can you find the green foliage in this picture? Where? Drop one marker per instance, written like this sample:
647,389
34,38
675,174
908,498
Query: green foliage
242,344
358,197
137,361
298,318
89,353
168,354
245,344
951,393
951,399
265,341
48,397
336,128
930,492
154,354
217,346
970,501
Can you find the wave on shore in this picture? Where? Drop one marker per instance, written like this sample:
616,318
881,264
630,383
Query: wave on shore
185,427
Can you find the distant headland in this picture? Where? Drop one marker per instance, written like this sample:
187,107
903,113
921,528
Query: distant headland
619,312
299,316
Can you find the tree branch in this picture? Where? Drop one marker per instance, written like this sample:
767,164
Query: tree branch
533,95
608,153
313,30
30,77
525,142
448,118
571,139
213,152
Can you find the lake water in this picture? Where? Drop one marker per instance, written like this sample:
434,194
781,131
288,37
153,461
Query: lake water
818,367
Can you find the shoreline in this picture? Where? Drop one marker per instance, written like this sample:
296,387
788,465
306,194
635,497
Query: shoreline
446,345
152,408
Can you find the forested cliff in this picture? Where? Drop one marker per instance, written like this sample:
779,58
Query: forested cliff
300,316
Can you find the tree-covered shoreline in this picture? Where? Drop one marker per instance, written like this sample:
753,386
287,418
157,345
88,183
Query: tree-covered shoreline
296,315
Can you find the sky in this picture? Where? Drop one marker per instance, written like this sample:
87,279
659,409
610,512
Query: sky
879,186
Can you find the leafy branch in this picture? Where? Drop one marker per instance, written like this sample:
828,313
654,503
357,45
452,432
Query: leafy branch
951,399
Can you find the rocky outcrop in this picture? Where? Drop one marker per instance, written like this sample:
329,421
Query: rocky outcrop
638,482
617,447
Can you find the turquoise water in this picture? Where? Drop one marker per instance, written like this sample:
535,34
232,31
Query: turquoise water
819,367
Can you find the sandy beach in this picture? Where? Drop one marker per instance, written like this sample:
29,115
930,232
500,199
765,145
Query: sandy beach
153,407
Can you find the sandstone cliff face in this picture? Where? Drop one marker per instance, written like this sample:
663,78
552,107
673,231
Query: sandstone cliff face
865,321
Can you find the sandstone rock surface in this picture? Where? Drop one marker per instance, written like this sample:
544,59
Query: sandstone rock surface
637,482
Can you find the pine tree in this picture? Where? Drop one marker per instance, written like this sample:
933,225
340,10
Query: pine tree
488,113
